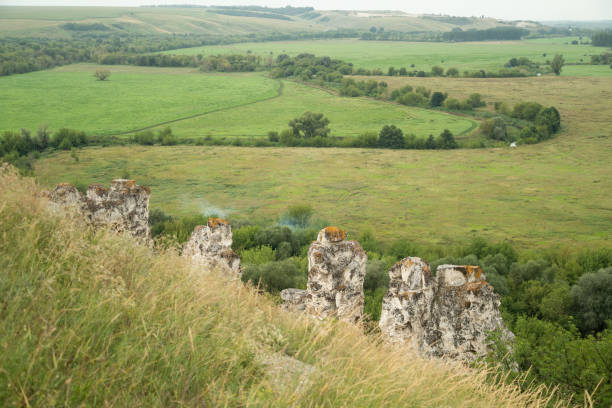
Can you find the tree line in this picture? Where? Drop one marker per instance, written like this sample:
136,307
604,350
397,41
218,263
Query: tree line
22,55
602,38
312,130
456,34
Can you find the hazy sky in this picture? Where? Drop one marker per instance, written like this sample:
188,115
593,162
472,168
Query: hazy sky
513,9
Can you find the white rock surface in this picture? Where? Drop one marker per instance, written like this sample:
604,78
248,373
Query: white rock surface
294,299
336,270
406,310
211,247
449,315
124,207
65,197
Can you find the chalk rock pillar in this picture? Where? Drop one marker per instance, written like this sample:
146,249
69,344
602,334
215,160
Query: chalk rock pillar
466,309
124,207
406,309
211,246
65,197
336,270
447,316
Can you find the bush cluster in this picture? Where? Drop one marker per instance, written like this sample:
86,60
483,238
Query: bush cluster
536,123
307,66
371,88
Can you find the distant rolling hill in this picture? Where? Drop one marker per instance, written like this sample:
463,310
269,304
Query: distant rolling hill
64,21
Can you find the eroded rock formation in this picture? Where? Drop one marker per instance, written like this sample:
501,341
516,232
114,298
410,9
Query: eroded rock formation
336,269
294,299
65,196
406,309
449,315
211,246
124,207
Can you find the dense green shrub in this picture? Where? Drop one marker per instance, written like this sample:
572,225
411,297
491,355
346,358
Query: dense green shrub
166,138
257,255
276,276
494,128
371,88
592,300
437,98
179,229
310,125
391,137
446,140
550,118
146,138
367,139
437,71
452,72
412,99
475,100
526,110
65,139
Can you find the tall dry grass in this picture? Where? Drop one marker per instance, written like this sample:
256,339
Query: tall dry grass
92,319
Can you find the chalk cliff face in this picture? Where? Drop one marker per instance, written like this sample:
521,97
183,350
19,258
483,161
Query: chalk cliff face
211,246
445,316
124,207
336,270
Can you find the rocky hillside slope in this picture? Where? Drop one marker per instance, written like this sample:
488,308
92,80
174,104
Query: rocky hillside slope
95,319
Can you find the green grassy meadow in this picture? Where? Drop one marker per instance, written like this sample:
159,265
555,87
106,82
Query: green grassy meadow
552,193
238,105
383,54
348,116
534,197
132,98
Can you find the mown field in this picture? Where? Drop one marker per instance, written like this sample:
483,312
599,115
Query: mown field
131,98
348,116
238,105
553,193
490,55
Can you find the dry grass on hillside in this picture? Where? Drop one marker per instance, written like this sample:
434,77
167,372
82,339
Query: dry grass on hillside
93,319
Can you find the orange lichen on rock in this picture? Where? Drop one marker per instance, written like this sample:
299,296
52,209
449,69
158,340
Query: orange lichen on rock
98,188
475,287
334,234
474,270
215,222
